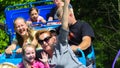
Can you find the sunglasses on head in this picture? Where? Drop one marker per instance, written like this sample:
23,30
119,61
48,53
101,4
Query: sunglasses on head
44,40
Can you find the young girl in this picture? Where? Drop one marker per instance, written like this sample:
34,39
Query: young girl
29,56
34,16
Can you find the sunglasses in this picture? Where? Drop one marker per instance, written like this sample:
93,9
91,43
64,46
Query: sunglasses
44,40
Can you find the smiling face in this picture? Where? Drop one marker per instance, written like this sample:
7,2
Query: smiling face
34,15
29,54
20,26
46,41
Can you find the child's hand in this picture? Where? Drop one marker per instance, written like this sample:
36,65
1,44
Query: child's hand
44,57
19,50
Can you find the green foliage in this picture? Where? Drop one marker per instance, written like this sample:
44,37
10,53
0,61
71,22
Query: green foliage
102,15
4,39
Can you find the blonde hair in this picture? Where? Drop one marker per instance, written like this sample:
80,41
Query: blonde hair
25,62
25,46
19,18
8,65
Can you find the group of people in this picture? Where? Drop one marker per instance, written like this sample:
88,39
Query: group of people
58,50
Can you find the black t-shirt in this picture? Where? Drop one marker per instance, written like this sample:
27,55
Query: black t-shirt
77,31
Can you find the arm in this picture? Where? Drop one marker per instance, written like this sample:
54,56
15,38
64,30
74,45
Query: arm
10,48
86,42
50,18
87,37
64,27
43,20
65,15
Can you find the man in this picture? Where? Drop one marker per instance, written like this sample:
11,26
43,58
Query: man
58,3
80,36
58,49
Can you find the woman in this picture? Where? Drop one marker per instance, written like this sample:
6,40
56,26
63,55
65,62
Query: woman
58,49
23,36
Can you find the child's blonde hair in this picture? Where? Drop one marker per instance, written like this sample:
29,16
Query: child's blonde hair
8,65
26,63
25,46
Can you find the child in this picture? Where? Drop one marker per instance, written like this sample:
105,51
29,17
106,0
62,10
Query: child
34,16
29,56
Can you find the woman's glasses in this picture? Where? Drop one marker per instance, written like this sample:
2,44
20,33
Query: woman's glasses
44,40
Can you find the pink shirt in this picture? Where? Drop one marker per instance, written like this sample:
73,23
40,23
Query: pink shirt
36,64
38,19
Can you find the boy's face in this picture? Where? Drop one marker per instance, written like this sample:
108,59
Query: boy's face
30,54
21,27
34,15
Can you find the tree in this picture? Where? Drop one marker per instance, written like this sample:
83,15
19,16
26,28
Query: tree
102,15
119,7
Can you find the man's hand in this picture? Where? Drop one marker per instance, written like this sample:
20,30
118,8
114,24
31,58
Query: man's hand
74,47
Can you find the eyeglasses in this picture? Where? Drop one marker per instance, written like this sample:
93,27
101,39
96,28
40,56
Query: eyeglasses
44,40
